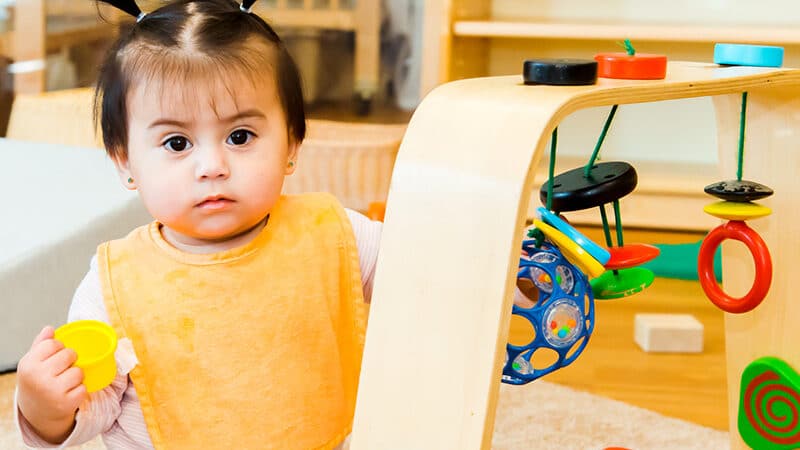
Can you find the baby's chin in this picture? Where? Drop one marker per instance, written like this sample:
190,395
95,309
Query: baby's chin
219,233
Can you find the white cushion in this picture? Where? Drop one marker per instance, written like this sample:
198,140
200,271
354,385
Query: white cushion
58,203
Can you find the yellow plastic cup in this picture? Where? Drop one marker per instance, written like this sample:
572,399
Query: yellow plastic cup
95,343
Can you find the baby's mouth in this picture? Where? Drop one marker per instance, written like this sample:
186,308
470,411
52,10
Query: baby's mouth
215,203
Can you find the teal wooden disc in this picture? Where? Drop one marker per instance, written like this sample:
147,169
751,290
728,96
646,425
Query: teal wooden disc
748,55
621,283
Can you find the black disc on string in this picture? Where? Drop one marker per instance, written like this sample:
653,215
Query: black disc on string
561,72
738,190
607,181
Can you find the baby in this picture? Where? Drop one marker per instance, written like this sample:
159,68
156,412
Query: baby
241,312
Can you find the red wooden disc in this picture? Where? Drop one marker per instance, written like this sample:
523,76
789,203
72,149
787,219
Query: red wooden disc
630,255
640,66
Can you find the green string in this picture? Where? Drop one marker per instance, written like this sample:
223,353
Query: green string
588,169
742,117
628,47
606,229
538,235
553,141
618,224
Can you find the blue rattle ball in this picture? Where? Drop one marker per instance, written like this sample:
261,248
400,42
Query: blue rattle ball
562,317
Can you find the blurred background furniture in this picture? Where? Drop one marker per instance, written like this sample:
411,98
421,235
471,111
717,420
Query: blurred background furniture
39,28
362,17
353,161
67,113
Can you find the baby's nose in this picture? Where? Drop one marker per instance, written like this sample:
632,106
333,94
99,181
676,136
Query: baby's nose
212,163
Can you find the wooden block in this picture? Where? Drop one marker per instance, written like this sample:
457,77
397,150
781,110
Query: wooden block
668,333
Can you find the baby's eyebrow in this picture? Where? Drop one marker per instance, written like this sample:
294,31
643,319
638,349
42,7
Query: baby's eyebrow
246,114
166,122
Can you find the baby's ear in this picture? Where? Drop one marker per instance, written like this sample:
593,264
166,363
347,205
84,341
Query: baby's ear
123,170
294,148
291,161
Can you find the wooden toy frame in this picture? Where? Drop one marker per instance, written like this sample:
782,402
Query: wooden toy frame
456,213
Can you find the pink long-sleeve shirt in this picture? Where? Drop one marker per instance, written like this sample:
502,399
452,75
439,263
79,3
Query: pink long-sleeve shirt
114,412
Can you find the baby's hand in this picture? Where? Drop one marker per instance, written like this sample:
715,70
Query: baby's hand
50,389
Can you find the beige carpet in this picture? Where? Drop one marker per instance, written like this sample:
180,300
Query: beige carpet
539,416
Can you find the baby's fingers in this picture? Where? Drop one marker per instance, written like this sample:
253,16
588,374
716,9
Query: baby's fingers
43,350
70,379
61,361
46,333
77,396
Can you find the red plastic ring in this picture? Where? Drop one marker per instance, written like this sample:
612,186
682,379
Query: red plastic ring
737,230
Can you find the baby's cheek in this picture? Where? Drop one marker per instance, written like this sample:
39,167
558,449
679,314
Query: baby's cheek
165,206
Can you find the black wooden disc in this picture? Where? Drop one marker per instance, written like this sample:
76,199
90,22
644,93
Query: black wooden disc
562,72
607,181
738,191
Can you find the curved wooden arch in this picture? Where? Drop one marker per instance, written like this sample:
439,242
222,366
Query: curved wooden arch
456,212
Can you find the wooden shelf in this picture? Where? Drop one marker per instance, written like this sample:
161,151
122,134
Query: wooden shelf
619,31
318,18
69,33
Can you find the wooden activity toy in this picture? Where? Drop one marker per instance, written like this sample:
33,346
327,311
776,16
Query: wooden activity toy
562,317
436,345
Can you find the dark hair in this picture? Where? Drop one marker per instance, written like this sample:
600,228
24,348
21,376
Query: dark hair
191,36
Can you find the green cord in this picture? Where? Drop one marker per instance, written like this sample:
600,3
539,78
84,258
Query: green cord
618,224
553,141
588,169
606,229
538,235
628,47
742,117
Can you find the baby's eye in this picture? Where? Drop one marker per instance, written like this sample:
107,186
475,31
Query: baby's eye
240,137
177,144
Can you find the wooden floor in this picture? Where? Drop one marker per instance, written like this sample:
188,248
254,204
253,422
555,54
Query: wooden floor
686,386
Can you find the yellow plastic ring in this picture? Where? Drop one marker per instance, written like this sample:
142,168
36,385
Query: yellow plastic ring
737,210
571,250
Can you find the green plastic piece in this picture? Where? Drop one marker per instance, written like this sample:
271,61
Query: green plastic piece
769,405
623,283
680,261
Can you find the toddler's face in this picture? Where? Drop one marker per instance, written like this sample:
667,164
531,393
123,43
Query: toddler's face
208,157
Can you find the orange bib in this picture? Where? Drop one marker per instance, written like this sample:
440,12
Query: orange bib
255,347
